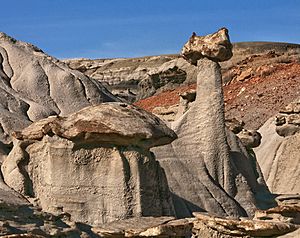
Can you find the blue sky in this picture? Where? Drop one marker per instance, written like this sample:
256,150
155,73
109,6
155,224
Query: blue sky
130,28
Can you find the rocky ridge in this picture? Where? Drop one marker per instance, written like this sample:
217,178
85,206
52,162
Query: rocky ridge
272,85
150,75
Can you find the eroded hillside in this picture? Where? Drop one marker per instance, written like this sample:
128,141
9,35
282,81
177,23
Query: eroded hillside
260,78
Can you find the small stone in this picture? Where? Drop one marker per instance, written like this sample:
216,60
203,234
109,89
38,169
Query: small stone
245,75
280,120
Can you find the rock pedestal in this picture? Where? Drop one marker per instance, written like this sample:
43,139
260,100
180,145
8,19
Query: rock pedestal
207,167
94,164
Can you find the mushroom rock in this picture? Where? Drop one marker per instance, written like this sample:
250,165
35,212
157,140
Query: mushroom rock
207,167
94,164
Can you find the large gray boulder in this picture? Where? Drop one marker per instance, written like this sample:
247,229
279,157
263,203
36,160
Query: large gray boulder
94,164
34,85
207,167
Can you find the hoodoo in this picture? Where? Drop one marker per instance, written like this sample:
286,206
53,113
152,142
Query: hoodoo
207,167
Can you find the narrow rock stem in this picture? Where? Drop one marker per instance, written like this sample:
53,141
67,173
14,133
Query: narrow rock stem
210,104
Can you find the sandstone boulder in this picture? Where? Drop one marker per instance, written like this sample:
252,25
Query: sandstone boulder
288,120
250,138
215,46
108,123
94,164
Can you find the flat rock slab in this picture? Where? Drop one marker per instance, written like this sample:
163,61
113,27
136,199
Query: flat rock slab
108,123
146,227
256,228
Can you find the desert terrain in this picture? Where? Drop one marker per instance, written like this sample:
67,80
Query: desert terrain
204,143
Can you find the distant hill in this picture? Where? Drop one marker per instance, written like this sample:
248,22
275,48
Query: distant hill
168,71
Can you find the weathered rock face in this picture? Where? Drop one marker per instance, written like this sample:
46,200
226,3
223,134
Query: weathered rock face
249,138
163,79
34,85
288,120
215,46
137,78
279,156
207,167
18,216
94,164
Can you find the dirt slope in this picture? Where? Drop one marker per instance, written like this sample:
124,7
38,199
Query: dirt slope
257,88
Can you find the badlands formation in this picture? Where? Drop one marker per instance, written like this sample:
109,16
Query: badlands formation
79,161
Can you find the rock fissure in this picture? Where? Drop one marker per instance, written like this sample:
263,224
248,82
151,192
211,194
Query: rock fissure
129,197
